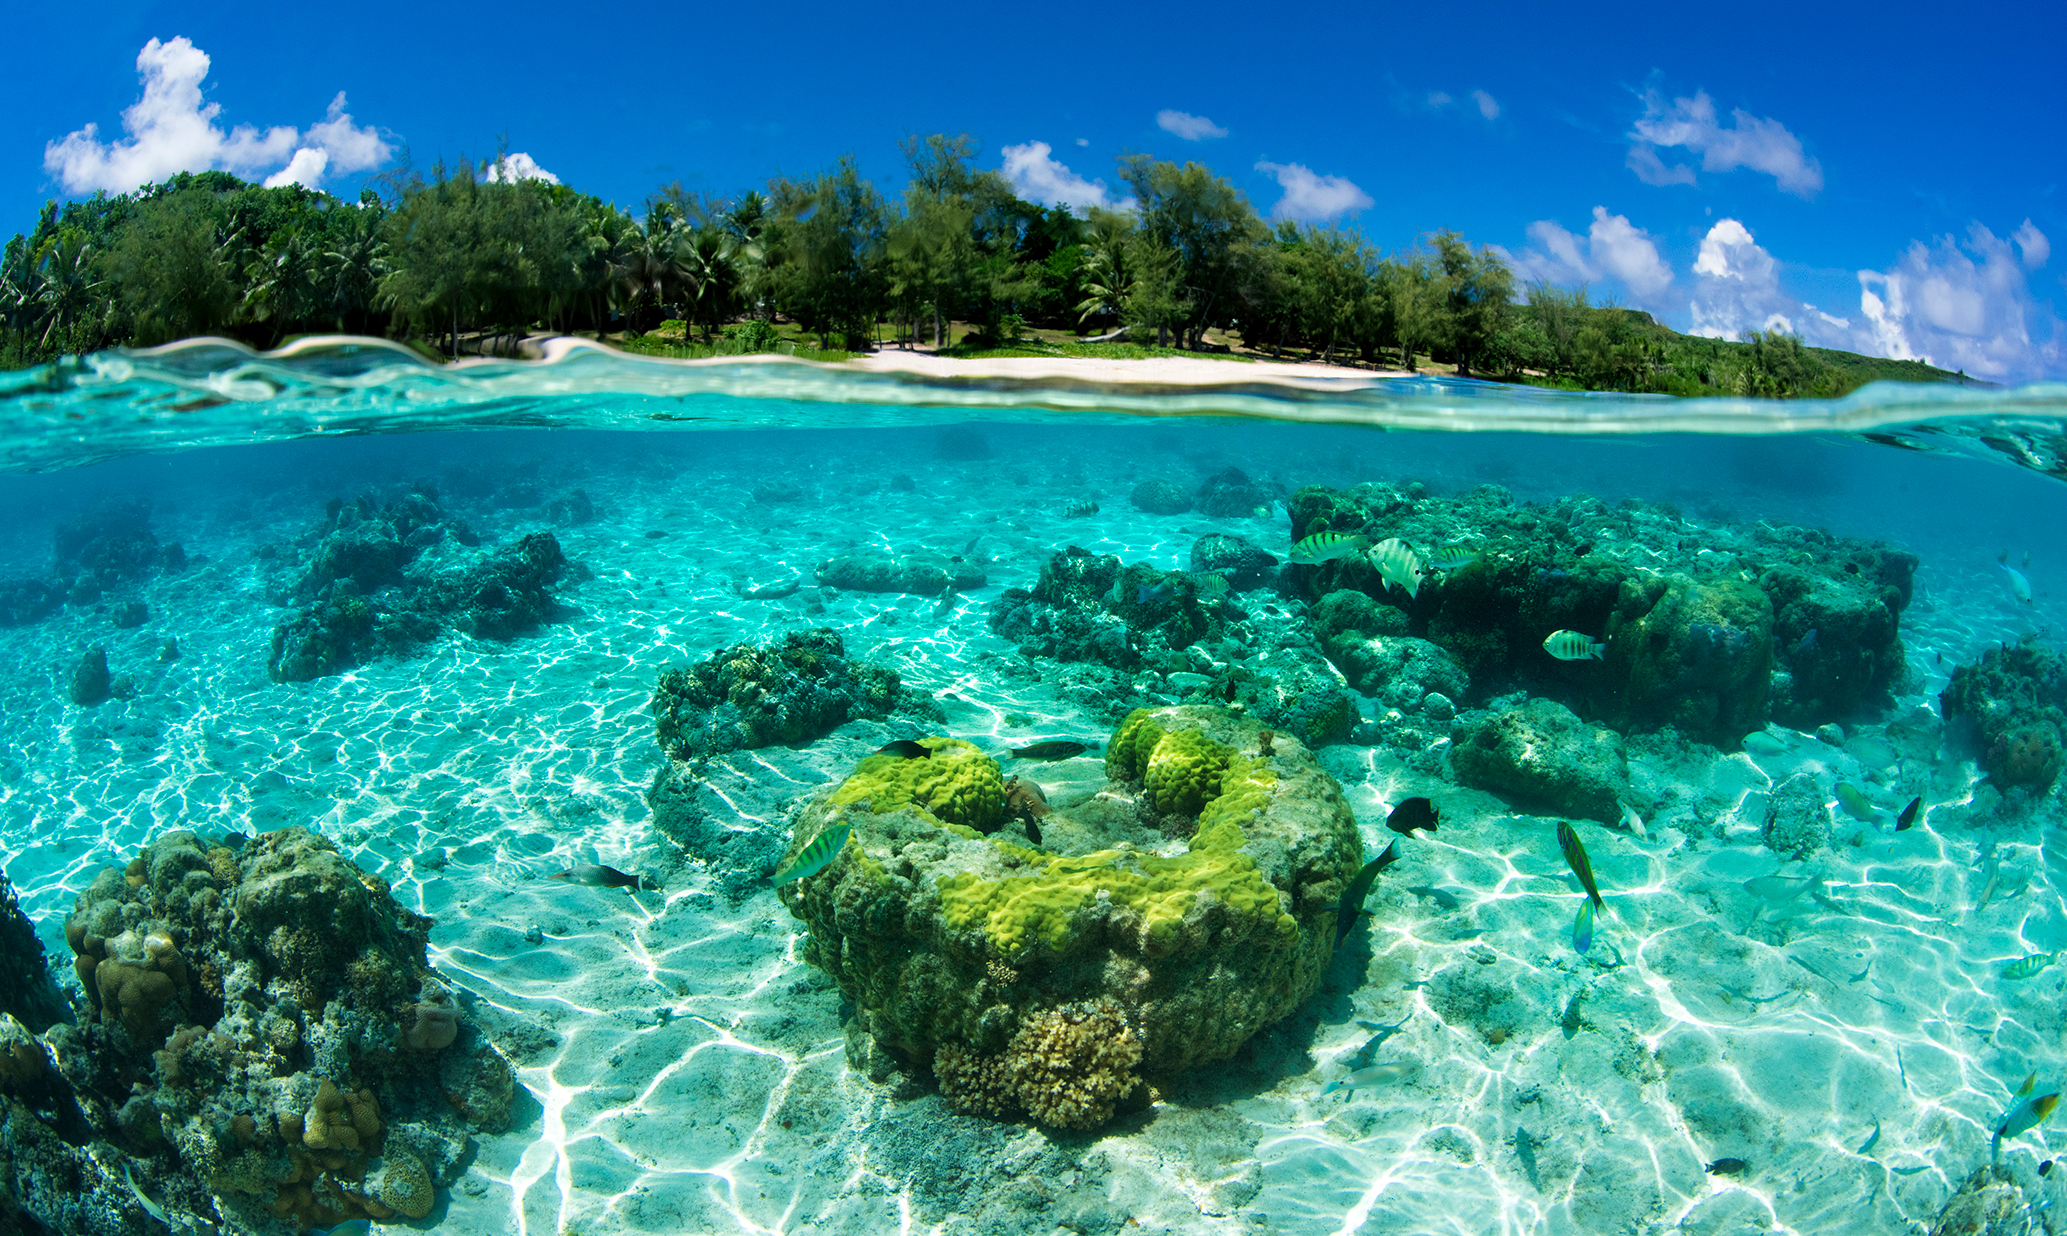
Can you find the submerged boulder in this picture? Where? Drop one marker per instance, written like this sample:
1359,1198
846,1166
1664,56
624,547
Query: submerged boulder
1693,654
2012,705
1244,564
1160,497
923,575
1544,757
1160,924
746,696
1090,607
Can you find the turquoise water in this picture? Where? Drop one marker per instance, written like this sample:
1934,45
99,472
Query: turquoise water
682,1065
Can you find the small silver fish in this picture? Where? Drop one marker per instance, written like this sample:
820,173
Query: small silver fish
1634,822
1574,646
2018,584
1778,889
1376,1075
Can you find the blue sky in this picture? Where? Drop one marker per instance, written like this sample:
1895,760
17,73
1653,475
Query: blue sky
1886,178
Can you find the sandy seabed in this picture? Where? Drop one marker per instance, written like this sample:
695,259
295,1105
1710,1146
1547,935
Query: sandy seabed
687,1072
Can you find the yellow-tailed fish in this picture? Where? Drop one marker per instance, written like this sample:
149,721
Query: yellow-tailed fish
1855,803
1574,646
1575,854
1397,565
1582,928
2030,1084
1328,546
2028,1115
2025,967
825,847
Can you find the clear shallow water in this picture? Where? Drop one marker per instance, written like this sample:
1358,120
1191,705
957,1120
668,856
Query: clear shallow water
687,1070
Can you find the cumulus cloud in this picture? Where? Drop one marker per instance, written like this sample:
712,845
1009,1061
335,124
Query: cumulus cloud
1761,144
1965,305
1488,106
1613,248
1310,198
1187,126
171,130
517,166
1038,177
1957,304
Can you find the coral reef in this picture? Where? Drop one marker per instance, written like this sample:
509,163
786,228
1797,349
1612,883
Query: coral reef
1544,756
926,575
750,695
380,579
262,1032
1696,619
1797,820
1159,497
1086,607
2012,704
979,953
1245,565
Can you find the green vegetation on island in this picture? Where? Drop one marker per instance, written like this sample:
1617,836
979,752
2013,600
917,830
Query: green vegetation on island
468,259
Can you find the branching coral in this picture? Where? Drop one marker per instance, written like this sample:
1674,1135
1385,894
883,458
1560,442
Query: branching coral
1066,1067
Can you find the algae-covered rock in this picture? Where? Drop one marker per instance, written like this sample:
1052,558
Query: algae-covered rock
749,696
1797,822
2012,705
1159,497
1232,491
1184,908
1695,655
270,1012
1544,756
1838,635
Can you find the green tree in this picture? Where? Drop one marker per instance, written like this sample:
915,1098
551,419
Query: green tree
834,230
1480,290
175,268
1207,222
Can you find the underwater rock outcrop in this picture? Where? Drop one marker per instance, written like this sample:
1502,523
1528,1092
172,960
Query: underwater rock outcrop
749,695
2012,704
109,550
1706,629
1088,607
27,993
1544,756
380,580
1232,491
1244,564
1167,919
262,1042
1160,497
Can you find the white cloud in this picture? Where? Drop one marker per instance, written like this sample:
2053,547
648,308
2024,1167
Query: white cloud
1737,286
512,168
1965,306
304,169
1438,99
171,130
2032,242
1310,198
1613,248
1083,141
1187,126
1038,177
1763,145
1488,106
1961,305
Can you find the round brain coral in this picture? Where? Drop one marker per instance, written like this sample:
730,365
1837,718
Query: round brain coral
405,1185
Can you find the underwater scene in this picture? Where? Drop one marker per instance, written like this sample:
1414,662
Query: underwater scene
601,795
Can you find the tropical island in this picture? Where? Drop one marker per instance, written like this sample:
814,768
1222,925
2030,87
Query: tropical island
473,259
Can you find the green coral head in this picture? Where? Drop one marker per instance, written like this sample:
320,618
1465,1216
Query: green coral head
957,784
1126,754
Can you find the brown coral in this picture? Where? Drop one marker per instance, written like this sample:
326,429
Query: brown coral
405,1185
1070,1065
340,1120
134,995
976,1084
1067,1067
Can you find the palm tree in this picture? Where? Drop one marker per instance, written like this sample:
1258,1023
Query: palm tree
651,267
71,286
1107,273
283,283
351,266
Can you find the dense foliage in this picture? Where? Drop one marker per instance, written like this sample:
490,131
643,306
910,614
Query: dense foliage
467,257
